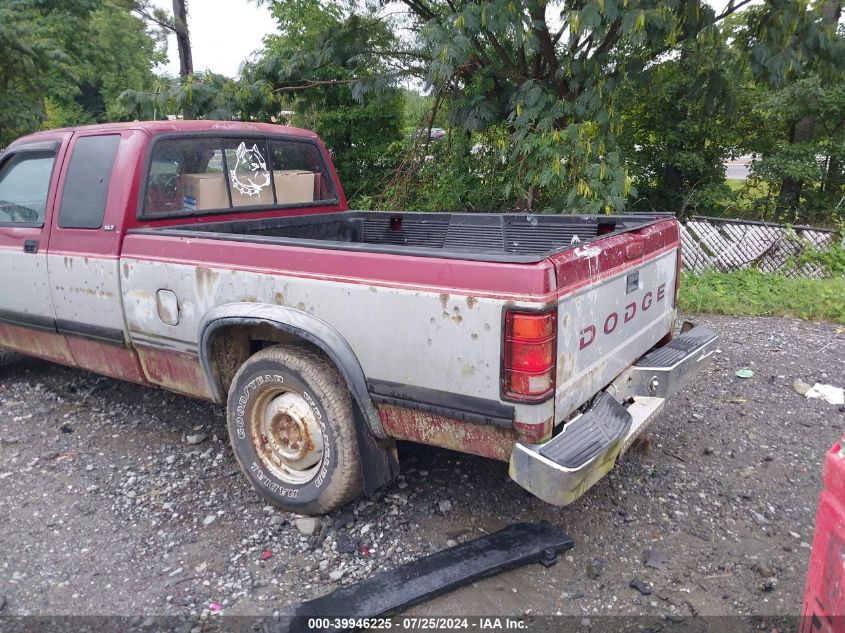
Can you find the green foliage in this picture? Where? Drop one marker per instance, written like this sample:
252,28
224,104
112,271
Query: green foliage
362,139
119,55
330,50
831,260
64,63
207,95
564,106
552,72
39,50
753,293
795,120
462,171
679,125
801,140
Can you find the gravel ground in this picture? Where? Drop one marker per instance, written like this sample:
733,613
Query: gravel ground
116,499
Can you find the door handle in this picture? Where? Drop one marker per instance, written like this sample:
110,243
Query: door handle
30,246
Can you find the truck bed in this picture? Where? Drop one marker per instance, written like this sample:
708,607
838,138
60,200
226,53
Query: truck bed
475,236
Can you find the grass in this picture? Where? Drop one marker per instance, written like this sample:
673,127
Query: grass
752,293
760,189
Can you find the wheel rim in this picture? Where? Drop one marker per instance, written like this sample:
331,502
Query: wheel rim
287,437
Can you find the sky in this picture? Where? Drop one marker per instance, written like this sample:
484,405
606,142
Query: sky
223,34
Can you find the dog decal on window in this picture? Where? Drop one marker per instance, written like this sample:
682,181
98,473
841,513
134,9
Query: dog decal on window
249,175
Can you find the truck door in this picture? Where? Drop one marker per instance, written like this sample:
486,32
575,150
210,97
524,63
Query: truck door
83,254
28,176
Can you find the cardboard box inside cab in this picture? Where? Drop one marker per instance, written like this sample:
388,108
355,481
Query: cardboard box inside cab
208,191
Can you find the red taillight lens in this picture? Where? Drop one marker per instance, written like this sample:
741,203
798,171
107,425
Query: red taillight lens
529,326
528,373
531,357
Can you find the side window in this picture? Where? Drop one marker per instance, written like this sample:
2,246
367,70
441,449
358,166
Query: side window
189,175
86,185
24,185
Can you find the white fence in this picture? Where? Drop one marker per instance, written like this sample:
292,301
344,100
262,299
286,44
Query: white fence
725,245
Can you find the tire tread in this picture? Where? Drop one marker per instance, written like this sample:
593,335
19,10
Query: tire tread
331,390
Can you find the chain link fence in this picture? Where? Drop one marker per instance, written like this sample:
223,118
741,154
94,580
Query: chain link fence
725,245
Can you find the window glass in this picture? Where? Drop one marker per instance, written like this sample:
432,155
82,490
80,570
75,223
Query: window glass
210,174
87,182
249,172
296,158
24,185
182,169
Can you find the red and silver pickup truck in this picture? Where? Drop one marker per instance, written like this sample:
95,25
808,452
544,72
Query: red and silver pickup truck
220,260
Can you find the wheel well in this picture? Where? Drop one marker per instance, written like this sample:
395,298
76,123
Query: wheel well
233,345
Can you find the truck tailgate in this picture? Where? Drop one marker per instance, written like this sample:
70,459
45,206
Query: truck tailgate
616,300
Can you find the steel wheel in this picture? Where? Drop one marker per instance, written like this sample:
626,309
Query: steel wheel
292,430
287,436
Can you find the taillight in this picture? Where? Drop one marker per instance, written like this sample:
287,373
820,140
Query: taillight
678,264
528,372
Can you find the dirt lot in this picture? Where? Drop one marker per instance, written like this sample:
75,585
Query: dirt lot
106,508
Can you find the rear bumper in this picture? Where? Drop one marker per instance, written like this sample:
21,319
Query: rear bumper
563,468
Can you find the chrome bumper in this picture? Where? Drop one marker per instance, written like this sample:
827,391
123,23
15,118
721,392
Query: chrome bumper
562,469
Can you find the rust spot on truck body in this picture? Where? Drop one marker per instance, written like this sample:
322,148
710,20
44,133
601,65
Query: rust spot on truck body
108,359
426,428
175,371
35,343
565,368
206,279
91,292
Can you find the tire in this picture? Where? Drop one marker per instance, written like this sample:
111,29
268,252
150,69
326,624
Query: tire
292,430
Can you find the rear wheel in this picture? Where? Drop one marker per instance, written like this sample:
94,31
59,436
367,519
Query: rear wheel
292,430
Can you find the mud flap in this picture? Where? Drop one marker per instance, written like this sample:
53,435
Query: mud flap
393,591
379,463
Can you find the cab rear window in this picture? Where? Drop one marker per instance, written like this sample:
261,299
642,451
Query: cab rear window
198,175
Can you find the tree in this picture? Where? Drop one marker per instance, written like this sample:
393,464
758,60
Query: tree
183,37
550,104
177,23
321,52
796,55
207,95
39,40
117,52
679,124
552,71
801,143
65,63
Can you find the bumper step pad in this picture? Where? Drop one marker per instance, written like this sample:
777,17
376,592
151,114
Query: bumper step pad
678,348
588,435
393,591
